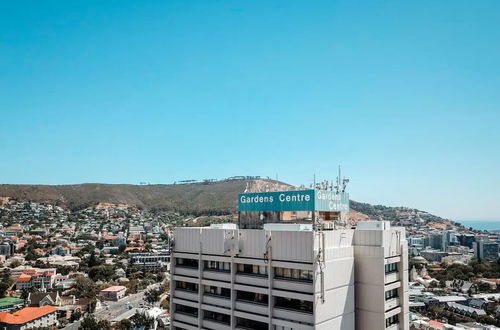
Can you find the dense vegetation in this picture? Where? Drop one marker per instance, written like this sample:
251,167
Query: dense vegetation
474,270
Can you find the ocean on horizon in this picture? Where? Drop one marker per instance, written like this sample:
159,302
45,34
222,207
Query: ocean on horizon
481,224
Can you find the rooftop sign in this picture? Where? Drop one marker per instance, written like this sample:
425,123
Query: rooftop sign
297,200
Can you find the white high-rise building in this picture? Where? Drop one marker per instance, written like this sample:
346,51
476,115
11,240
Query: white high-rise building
290,278
287,276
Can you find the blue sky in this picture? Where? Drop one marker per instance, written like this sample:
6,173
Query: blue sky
405,95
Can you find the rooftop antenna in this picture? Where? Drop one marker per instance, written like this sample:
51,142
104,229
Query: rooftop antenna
344,184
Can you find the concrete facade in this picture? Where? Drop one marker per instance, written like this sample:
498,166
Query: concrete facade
288,279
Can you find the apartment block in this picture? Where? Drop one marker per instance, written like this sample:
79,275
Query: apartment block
290,276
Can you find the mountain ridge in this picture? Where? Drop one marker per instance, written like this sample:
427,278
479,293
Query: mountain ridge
201,198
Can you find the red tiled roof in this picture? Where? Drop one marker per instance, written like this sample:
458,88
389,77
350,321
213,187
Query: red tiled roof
493,280
26,314
435,323
24,278
134,248
115,288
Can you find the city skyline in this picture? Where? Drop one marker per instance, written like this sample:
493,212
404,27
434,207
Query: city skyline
402,95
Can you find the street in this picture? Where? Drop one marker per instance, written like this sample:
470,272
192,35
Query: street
115,310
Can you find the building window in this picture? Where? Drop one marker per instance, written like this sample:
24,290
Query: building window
251,324
252,297
391,268
294,304
391,320
391,294
183,262
186,286
186,310
218,317
219,266
252,270
217,291
293,274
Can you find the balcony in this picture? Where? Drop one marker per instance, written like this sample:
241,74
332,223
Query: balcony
216,320
391,303
188,318
252,279
391,277
186,294
186,271
292,285
215,325
293,315
216,300
215,275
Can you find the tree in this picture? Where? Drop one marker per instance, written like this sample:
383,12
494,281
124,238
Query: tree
141,320
165,304
4,286
15,263
90,323
84,287
76,316
102,273
152,296
93,260
124,324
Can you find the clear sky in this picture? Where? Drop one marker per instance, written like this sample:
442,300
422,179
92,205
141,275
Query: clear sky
405,95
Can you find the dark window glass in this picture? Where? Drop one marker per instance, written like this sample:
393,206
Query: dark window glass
251,296
295,304
219,317
391,268
183,262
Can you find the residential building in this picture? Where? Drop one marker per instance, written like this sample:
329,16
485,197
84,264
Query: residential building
115,293
29,317
28,280
150,260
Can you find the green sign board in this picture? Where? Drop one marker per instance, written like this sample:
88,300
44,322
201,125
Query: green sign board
298,200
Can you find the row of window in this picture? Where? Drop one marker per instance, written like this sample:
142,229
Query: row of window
186,286
217,265
223,318
259,298
391,294
217,291
184,262
295,274
391,320
279,272
391,268
287,303
252,269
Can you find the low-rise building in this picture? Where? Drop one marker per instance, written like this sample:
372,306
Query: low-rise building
9,303
29,317
115,293
150,260
29,280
